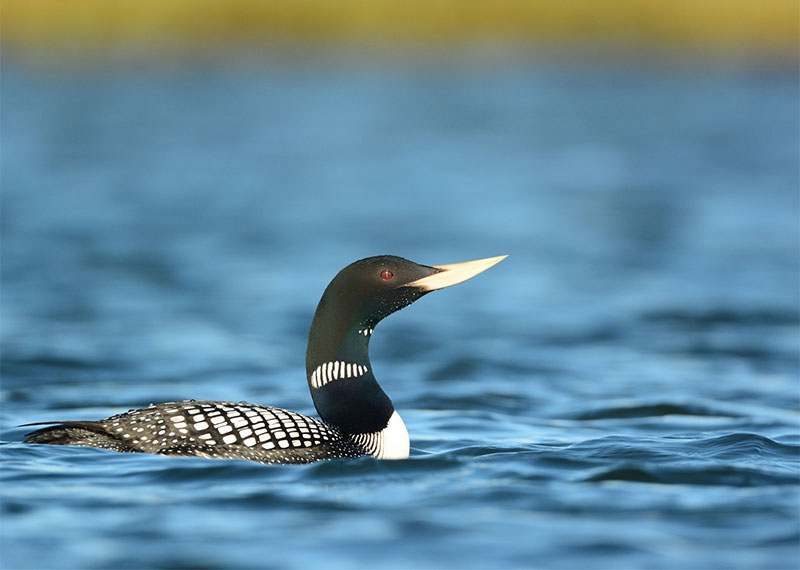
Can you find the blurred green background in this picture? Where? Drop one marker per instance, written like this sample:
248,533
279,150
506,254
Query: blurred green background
90,27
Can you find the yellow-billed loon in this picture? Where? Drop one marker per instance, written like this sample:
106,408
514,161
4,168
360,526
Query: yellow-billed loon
358,418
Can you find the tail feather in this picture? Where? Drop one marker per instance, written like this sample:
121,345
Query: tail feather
90,434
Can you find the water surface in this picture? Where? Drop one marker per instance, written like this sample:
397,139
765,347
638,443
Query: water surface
621,392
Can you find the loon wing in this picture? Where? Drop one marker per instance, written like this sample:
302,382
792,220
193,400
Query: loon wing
231,430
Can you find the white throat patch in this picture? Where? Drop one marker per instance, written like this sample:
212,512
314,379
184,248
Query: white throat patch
336,370
390,443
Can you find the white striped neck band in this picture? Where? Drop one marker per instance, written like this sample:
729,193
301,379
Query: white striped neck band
336,370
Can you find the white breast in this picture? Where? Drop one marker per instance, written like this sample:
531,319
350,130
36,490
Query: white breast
391,442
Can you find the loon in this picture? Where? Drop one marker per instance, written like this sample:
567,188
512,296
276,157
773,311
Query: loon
358,418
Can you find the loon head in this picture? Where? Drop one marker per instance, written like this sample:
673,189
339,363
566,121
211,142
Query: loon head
339,374
373,288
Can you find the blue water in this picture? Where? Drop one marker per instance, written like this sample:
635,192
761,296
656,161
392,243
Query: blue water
621,392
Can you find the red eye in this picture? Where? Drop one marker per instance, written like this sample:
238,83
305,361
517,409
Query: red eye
386,274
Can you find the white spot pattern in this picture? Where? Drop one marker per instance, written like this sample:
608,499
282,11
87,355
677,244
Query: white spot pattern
225,430
336,370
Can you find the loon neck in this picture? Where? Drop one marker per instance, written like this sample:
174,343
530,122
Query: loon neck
343,386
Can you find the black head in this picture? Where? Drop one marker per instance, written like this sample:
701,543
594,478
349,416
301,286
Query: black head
371,289
375,287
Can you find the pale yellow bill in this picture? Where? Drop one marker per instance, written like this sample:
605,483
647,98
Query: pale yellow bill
455,273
